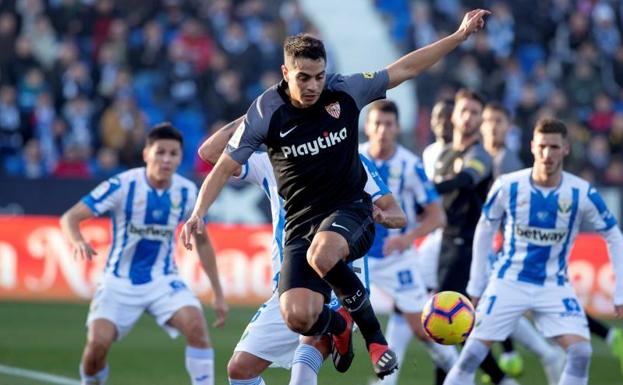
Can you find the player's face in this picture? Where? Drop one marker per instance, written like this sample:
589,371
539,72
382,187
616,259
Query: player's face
306,79
466,116
162,158
382,129
494,127
441,122
549,151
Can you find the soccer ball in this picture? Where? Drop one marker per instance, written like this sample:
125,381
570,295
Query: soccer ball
448,317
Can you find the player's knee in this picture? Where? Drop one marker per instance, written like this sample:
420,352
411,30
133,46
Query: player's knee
300,320
579,358
196,334
97,345
238,368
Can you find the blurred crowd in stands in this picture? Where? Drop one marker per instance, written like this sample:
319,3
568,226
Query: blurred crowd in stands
82,80
561,58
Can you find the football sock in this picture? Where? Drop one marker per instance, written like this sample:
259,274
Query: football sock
464,370
329,321
98,378
251,381
353,296
578,361
444,356
490,366
200,365
305,365
529,337
398,336
507,345
597,327
440,375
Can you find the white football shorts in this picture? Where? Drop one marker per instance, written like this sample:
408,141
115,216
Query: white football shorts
427,259
556,310
398,277
122,303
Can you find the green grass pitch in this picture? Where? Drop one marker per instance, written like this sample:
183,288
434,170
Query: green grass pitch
49,337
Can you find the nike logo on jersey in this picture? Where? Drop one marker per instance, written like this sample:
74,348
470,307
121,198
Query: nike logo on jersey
202,378
339,226
283,134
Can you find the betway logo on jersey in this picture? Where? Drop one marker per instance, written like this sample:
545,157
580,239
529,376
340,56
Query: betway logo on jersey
328,139
151,232
540,236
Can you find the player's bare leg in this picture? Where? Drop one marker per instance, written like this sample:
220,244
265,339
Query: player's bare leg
327,255
579,352
100,336
190,322
244,366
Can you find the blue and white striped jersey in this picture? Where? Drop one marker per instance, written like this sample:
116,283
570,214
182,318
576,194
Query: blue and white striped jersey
404,174
540,226
259,171
144,221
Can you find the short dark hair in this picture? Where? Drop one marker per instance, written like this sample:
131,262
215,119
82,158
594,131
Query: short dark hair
497,106
384,106
465,93
164,130
551,126
305,46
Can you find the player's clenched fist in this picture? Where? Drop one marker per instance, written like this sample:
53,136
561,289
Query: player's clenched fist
473,21
194,225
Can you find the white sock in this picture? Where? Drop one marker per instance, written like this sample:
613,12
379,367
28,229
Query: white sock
444,356
398,335
610,336
531,339
305,365
250,381
578,361
200,365
98,379
472,355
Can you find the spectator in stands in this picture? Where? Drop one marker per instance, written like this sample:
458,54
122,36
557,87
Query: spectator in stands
73,162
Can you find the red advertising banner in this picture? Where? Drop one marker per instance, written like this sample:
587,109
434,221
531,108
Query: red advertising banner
36,263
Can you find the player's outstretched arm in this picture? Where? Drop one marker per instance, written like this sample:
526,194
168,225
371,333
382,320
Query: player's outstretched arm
207,256
387,212
210,188
212,148
70,225
614,241
412,64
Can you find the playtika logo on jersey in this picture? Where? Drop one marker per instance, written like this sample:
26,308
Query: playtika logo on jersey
313,147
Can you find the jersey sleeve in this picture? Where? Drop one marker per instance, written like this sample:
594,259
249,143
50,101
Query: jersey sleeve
493,209
255,169
363,87
252,132
104,197
375,187
424,190
597,217
478,164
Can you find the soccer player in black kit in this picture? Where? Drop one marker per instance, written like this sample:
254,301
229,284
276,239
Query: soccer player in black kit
309,124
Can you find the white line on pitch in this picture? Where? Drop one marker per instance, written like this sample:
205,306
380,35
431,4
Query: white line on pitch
41,376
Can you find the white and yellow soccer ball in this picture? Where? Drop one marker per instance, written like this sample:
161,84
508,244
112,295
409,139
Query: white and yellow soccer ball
448,317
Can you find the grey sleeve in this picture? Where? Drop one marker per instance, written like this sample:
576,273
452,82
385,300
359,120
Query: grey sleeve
363,87
478,164
253,130
510,163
